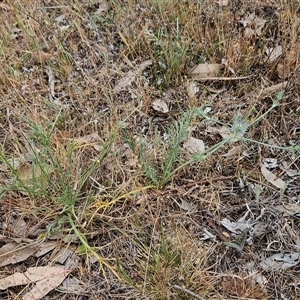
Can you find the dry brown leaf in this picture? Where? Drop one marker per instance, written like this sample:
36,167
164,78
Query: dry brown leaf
184,205
160,105
30,173
235,150
46,247
9,253
280,261
192,89
223,131
270,177
46,278
288,209
194,145
272,89
15,224
74,286
222,2
131,76
273,53
253,24
206,70
42,56
92,139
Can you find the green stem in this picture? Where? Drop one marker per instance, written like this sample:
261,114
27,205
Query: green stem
290,148
202,156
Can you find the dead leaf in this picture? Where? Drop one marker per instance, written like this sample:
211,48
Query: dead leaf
92,139
274,53
192,89
226,64
270,177
31,174
42,56
73,285
45,248
46,278
11,254
235,150
235,227
15,224
288,209
270,162
206,70
284,166
103,7
186,205
223,131
194,145
222,2
253,25
131,76
160,105
280,261
272,90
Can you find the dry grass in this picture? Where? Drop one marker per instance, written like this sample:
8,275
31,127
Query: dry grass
90,166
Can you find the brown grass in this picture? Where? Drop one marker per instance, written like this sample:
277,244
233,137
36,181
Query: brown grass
59,64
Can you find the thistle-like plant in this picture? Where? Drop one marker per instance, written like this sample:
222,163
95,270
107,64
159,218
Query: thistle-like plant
178,132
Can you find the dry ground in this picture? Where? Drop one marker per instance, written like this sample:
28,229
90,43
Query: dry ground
99,172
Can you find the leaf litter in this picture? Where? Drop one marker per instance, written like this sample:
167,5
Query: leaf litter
260,60
45,278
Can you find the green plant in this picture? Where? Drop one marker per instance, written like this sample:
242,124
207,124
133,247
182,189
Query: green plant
160,174
170,51
50,175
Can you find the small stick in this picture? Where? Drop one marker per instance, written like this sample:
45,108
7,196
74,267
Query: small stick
218,232
285,169
188,292
222,78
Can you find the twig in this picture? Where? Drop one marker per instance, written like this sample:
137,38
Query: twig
188,292
285,169
222,78
264,184
212,225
